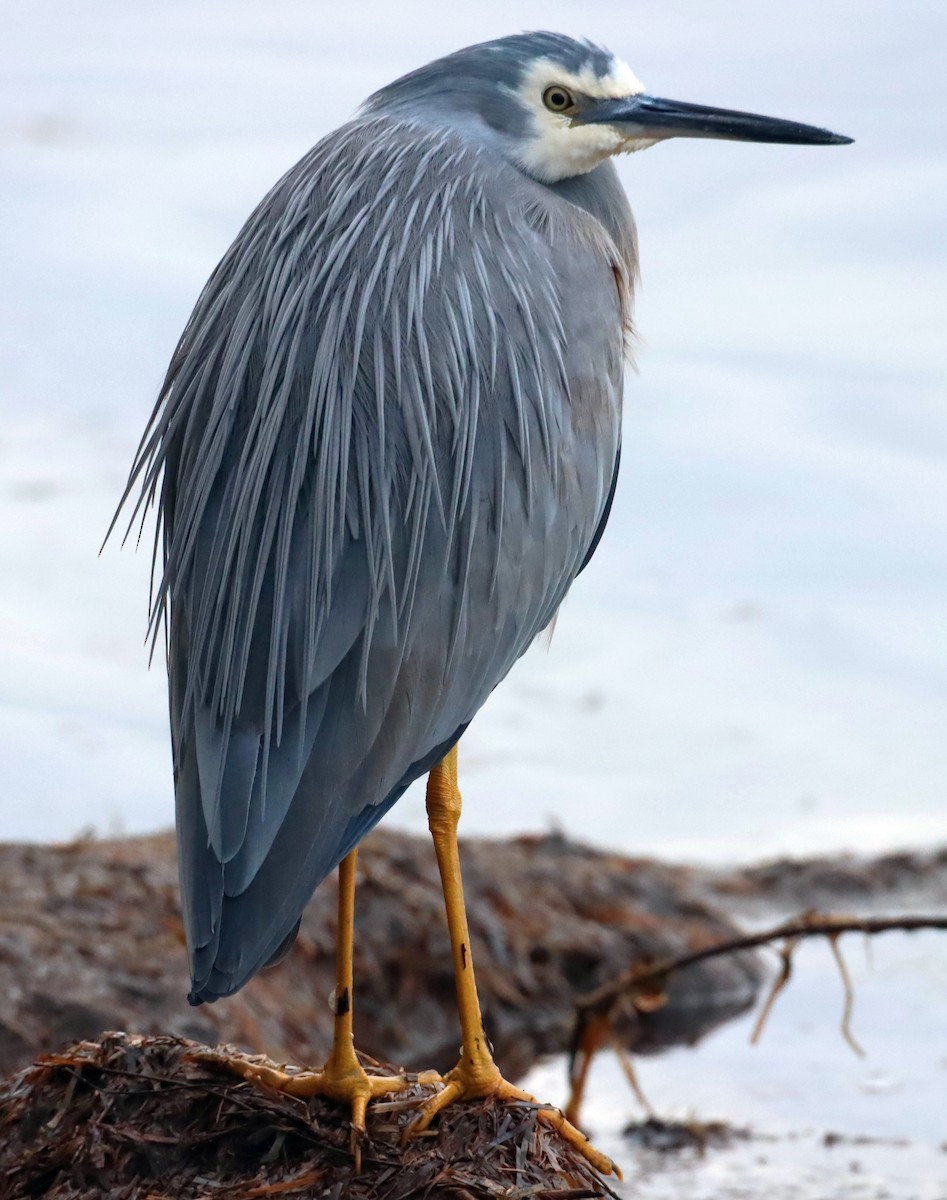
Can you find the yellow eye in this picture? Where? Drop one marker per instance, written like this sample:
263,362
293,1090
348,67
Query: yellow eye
558,99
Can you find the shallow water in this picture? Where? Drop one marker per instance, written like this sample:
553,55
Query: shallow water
825,1123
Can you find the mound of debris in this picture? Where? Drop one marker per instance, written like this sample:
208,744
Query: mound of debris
138,1118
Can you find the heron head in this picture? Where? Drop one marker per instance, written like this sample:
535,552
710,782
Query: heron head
559,107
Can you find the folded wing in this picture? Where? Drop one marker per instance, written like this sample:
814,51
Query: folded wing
383,449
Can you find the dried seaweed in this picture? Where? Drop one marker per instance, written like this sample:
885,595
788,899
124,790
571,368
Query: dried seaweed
137,1118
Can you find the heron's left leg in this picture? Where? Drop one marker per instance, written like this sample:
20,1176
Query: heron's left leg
476,1075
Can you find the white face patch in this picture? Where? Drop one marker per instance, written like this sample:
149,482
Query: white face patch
558,148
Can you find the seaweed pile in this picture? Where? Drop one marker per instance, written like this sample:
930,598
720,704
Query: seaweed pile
142,1118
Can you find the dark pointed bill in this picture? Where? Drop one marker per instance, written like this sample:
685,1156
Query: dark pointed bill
653,117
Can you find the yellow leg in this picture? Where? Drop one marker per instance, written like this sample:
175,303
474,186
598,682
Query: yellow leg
343,1078
476,1075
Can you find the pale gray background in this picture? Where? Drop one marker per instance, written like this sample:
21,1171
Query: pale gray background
757,661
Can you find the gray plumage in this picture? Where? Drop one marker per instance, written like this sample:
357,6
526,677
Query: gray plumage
385,446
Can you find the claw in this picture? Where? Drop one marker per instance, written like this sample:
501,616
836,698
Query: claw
462,1084
350,1085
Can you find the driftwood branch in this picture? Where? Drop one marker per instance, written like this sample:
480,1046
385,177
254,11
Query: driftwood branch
642,985
813,925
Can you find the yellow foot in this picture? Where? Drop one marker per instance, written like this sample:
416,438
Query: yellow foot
467,1083
350,1084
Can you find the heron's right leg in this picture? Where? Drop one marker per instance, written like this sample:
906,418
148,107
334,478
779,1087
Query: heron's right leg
343,1078
476,1075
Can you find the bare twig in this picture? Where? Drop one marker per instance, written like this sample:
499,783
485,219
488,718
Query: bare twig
596,1011
631,1075
846,1025
785,971
586,1044
816,925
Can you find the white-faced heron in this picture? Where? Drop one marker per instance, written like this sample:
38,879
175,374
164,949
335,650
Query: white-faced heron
386,445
